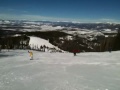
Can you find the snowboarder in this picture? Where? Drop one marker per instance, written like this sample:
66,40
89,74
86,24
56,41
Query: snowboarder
31,55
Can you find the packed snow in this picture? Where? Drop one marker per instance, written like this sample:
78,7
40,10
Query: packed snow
37,42
59,71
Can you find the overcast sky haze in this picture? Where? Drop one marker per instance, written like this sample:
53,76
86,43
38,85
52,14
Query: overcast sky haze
61,10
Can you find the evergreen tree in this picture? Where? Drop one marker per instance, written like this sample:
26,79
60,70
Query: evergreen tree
117,41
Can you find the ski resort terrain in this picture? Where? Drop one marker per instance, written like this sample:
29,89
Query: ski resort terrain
59,71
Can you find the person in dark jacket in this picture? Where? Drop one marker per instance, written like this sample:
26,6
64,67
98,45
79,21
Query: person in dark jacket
75,51
110,49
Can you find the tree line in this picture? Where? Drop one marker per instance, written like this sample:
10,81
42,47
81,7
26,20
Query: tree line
22,42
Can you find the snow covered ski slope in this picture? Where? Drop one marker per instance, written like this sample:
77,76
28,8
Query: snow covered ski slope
59,71
38,42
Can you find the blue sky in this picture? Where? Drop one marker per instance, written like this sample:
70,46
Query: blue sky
61,10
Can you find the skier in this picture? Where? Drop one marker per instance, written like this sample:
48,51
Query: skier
75,51
110,49
31,55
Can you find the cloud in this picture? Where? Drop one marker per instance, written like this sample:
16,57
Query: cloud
31,17
11,11
107,19
38,18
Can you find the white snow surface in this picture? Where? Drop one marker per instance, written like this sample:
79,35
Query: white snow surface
39,41
36,42
59,71
49,27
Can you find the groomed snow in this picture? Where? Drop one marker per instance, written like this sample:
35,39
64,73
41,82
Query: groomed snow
36,41
59,71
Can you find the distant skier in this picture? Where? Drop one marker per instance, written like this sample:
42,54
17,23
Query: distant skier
75,51
31,55
110,49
